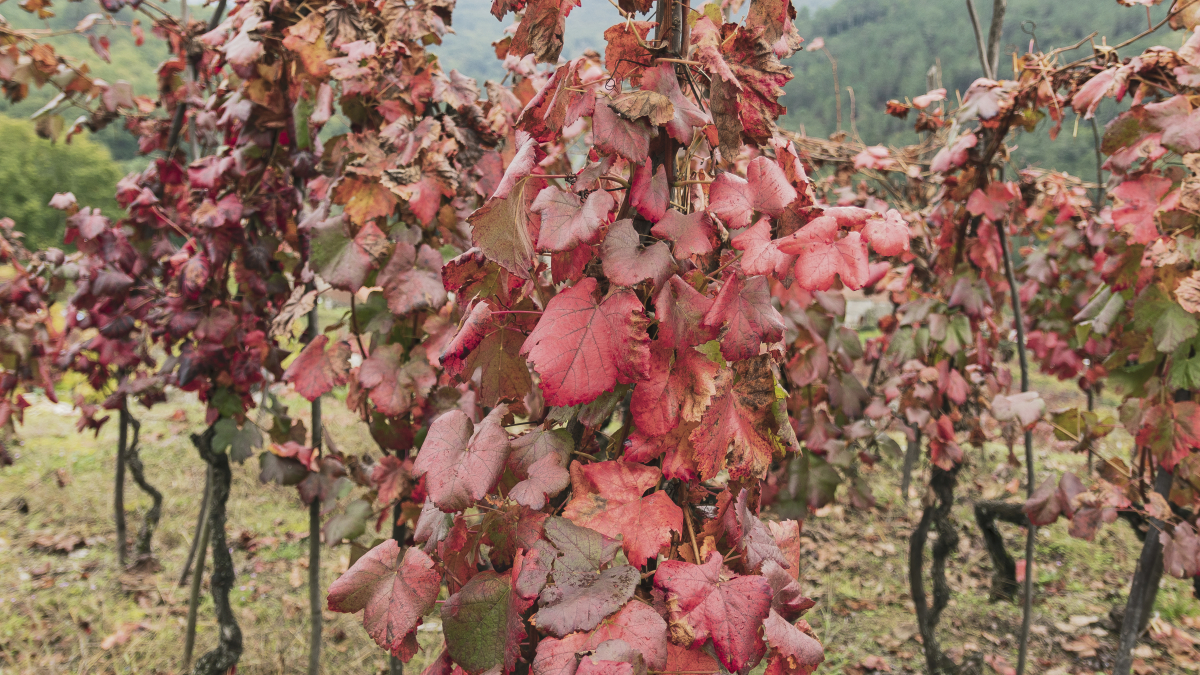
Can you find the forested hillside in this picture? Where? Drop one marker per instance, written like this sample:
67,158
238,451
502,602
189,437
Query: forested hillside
884,48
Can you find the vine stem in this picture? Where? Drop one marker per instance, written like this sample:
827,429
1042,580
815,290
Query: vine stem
119,490
201,520
138,472
201,546
1031,534
692,534
314,530
399,533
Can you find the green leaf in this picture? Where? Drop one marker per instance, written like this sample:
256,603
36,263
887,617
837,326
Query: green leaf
227,403
888,444
712,349
1069,425
350,524
300,114
1174,327
242,442
1130,380
483,625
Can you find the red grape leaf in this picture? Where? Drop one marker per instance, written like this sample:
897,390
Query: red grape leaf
761,79
509,529
461,463
888,235
534,445
391,478
649,192
794,651
679,387
775,17
1045,504
581,349
752,537
580,550
675,447
623,55
607,497
342,261
708,601
615,135
569,266
1179,551
821,255
89,222
546,113
547,478
739,422
765,190
459,553
692,235
636,624
1140,200
580,600
432,526
504,227
687,115
744,308
483,625
613,657
680,309
393,382
788,599
472,275
995,203
706,45
761,254
316,371
394,593
532,567
568,222
529,153
625,263
541,30
412,281
684,660
490,345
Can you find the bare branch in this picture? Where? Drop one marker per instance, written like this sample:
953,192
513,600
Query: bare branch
983,61
994,33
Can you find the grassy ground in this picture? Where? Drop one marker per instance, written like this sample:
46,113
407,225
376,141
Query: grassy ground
75,613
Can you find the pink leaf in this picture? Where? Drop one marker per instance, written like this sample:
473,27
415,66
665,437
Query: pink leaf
461,462
581,348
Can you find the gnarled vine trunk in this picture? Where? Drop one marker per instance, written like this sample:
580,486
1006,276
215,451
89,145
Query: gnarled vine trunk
937,516
145,555
225,655
1004,568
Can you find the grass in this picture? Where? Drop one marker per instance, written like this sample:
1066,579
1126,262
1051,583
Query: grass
59,609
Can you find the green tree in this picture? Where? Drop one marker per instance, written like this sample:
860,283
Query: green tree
34,169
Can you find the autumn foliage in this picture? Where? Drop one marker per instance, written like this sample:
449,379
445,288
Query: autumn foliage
598,317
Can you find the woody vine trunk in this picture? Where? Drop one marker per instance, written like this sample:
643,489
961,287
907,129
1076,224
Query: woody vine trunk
142,547
119,492
225,655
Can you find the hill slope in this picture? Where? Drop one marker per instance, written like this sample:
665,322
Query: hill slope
885,47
